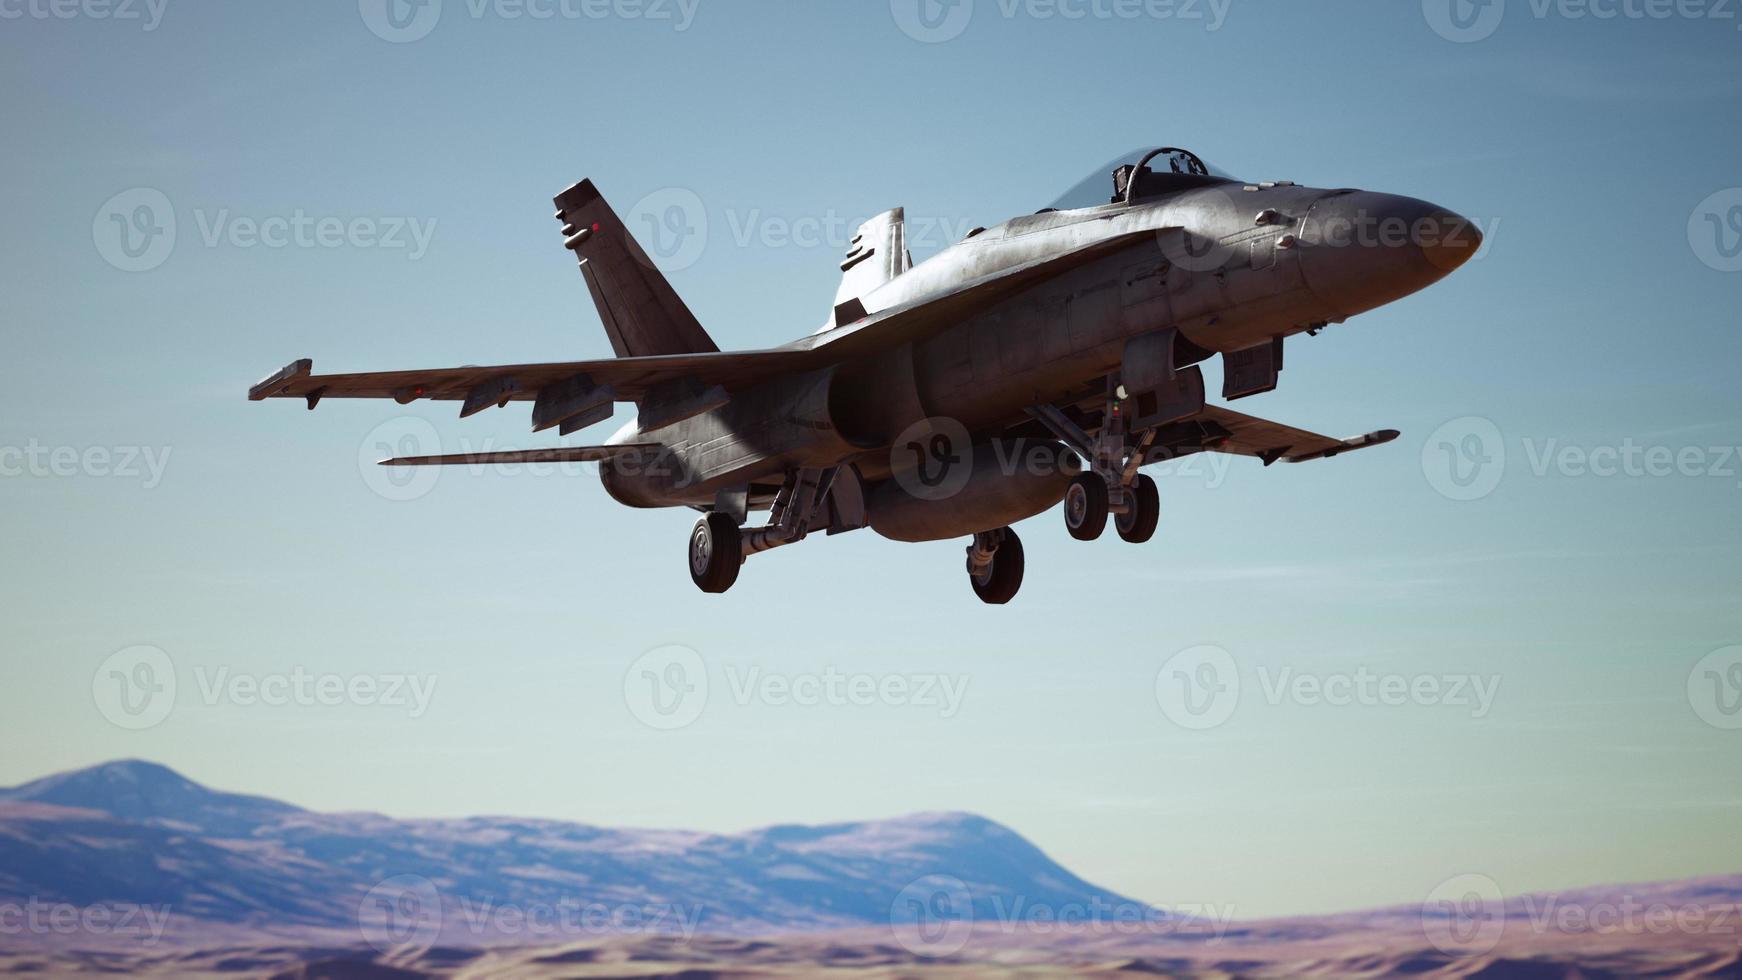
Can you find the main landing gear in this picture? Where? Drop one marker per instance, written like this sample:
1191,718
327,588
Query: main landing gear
995,566
720,543
716,553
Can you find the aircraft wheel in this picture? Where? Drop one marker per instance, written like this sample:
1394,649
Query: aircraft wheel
1137,524
716,552
1086,507
999,583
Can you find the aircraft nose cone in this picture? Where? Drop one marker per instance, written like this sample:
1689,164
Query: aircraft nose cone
1364,249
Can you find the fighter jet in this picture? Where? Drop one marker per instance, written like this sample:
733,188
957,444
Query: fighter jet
1046,359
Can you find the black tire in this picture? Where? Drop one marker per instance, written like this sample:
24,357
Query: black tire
1003,579
1137,524
715,553
1086,507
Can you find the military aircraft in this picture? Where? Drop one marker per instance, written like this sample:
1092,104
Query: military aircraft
1045,359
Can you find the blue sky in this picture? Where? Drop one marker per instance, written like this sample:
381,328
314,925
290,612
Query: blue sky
247,541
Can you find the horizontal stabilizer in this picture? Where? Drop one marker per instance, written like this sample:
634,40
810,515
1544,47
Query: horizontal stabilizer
559,454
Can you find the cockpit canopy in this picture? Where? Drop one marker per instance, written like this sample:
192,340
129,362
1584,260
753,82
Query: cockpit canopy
1154,173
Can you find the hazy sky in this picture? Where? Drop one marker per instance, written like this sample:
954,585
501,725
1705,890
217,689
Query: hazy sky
371,188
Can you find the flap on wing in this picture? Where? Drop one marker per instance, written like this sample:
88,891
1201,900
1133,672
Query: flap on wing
559,454
1271,441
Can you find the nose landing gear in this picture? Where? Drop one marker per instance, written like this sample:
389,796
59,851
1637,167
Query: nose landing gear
1112,487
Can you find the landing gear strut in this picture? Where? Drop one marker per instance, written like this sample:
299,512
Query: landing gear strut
1112,487
995,566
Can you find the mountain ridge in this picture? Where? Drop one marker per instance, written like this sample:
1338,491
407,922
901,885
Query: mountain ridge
137,832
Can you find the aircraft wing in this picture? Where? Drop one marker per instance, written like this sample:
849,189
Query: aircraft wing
629,376
1270,441
560,454
572,393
